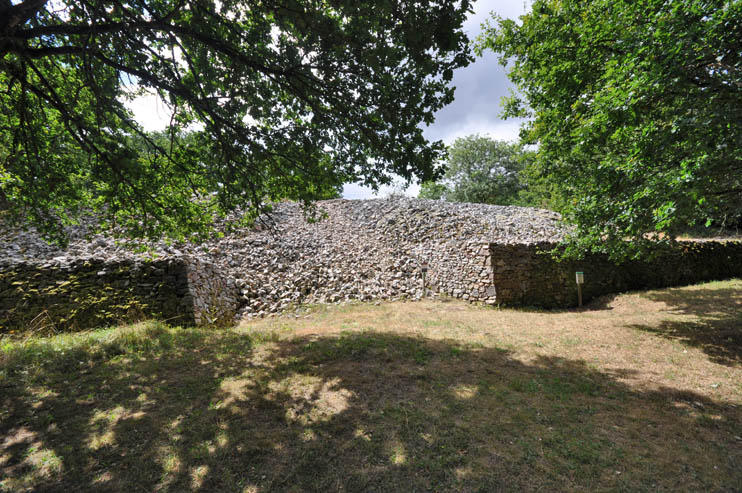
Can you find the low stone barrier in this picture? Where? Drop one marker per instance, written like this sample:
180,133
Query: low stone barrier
362,250
524,275
87,293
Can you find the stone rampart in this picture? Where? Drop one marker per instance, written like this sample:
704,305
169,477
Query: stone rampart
87,293
525,275
360,250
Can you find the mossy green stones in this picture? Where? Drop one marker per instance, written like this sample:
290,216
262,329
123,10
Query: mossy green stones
91,294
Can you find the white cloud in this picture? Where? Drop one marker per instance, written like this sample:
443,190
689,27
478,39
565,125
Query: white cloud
356,191
498,130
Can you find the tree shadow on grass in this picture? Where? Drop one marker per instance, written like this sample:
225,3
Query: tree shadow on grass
716,325
358,412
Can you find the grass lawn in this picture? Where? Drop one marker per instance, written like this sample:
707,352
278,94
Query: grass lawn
640,392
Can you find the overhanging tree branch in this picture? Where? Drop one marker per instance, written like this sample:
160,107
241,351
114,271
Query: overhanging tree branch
290,102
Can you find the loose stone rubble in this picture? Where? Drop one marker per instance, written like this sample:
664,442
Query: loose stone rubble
359,250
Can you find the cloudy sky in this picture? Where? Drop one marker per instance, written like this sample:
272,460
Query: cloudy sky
476,108
479,86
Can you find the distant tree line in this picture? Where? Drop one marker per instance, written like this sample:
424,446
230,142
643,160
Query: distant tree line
483,170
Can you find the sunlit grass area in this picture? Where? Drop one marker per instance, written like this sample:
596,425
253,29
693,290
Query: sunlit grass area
641,391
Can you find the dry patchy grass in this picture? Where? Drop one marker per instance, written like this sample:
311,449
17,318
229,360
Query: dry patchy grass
639,392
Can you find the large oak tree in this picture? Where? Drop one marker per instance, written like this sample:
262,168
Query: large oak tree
636,109
271,99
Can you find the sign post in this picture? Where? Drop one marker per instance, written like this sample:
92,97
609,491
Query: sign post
580,277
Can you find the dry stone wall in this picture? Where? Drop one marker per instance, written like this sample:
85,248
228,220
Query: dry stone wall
214,298
88,293
525,275
359,250
374,249
460,270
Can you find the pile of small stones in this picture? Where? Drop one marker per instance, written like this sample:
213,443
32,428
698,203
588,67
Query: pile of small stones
357,250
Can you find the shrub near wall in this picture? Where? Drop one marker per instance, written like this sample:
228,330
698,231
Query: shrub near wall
524,275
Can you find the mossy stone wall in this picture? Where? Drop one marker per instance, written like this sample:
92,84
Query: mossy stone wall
524,275
93,293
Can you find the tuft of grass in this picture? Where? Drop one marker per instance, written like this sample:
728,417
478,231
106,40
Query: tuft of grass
71,351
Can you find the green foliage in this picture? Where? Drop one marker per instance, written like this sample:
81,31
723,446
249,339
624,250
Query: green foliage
433,190
636,111
269,102
538,190
480,170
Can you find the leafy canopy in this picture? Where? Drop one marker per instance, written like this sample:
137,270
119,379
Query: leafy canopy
636,109
269,100
479,170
